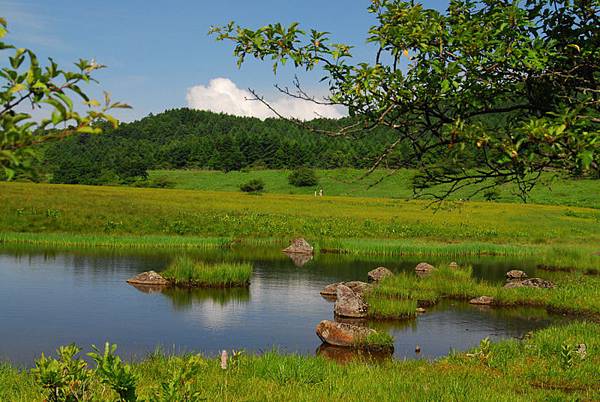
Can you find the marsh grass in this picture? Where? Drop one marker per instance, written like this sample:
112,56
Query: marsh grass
378,341
185,271
575,293
383,308
514,370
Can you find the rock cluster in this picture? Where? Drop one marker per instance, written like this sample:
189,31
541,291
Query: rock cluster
519,279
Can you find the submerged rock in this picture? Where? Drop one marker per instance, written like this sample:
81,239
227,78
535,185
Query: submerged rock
349,304
424,267
358,287
530,283
299,246
482,300
515,274
149,278
379,274
340,334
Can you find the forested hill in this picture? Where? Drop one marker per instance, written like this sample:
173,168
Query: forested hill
185,138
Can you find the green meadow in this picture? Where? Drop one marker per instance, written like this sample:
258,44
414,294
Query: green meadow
561,237
382,183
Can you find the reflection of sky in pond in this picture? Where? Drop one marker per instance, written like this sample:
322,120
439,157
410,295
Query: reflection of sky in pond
51,298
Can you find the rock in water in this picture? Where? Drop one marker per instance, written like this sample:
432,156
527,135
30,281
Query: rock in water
149,278
530,283
424,268
340,334
482,300
299,246
358,287
349,304
515,274
378,274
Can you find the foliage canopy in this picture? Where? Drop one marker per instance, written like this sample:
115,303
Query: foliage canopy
513,82
23,80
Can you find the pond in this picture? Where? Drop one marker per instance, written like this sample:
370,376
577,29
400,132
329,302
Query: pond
50,298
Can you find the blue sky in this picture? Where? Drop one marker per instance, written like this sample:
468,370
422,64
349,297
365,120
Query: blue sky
157,50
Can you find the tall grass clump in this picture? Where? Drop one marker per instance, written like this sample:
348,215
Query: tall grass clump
185,271
381,308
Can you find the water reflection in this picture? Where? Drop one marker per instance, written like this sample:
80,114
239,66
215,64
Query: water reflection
51,297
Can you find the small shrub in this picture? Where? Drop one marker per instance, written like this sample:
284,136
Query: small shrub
303,177
491,195
253,186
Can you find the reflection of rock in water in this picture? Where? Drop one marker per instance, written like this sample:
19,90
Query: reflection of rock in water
299,260
346,355
149,288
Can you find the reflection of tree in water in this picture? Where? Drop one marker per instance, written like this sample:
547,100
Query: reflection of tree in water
183,298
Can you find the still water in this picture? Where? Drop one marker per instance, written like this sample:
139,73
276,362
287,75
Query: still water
52,298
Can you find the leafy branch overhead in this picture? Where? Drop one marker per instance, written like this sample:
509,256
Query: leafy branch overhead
486,92
25,83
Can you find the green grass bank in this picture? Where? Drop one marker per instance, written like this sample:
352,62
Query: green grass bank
543,366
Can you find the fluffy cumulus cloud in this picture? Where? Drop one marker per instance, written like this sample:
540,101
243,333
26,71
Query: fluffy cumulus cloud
222,95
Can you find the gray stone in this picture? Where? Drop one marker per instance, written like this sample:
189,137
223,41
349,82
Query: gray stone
482,300
358,287
341,334
378,274
349,304
424,268
149,278
299,246
530,283
515,274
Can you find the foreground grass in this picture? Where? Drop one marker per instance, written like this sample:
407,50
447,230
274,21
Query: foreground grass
185,271
347,182
536,368
395,296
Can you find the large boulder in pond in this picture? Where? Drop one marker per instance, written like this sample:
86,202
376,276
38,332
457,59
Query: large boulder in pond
482,300
379,274
531,283
149,278
299,246
349,304
358,287
340,334
424,268
515,274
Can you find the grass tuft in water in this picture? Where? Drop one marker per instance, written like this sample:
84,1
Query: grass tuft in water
185,271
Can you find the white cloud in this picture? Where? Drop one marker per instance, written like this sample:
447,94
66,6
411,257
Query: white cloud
222,95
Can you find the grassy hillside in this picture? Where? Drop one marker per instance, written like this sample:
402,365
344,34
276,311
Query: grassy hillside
347,182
